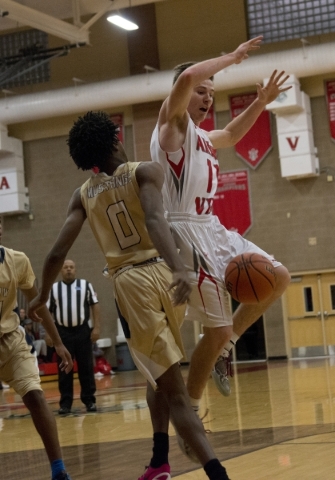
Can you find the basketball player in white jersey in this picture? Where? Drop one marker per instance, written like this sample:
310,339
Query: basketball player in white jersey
188,157
123,205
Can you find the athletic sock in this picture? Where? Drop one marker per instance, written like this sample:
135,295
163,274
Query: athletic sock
57,466
195,403
160,450
215,471
229,345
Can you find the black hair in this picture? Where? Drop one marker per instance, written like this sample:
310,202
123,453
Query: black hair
92,140
179,69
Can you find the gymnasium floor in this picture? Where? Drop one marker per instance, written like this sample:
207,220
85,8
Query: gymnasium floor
278,424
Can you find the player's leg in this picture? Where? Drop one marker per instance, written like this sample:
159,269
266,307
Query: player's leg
44,422
204,357
187,423
208,304
159,413
46,427
22,373
245,315
199,240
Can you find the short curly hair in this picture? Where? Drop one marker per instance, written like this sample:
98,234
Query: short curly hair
92,140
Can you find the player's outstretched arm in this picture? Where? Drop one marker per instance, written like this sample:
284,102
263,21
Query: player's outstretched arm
237,128
174,108
53,263
150,178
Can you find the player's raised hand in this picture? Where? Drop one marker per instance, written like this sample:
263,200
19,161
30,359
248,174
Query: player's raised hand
274,87
241,53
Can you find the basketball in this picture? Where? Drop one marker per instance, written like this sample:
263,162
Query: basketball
250,278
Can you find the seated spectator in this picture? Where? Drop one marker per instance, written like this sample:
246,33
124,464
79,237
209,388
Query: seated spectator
38,343
23,316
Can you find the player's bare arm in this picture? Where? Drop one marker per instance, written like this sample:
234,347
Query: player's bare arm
76,216
173,117
150,178
237,128
49,325
197,73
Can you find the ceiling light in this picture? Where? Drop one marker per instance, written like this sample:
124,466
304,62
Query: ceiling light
122,22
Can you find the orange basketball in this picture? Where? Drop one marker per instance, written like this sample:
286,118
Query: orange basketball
250,278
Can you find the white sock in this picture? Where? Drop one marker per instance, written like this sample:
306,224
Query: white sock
229,345
195,403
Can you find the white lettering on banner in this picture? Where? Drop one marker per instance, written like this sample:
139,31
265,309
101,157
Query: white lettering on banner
4,183
293,144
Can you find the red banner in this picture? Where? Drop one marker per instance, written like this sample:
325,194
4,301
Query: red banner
330,92
232,201
209,123
118,119
257,143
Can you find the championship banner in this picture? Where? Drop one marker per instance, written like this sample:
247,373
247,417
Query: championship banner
232,201
330,92
209,123
257,142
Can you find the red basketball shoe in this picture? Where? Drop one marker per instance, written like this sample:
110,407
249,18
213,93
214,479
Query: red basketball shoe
160,473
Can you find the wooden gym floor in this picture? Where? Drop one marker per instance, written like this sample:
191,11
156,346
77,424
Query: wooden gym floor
278,424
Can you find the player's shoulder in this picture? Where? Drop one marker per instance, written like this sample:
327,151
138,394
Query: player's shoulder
148,171
15,255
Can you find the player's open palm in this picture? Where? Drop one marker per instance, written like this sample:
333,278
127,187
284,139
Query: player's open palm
274,87
241,53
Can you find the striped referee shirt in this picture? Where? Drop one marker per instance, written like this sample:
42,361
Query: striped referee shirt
70,303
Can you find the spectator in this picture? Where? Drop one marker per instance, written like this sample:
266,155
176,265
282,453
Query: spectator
38,343
23,316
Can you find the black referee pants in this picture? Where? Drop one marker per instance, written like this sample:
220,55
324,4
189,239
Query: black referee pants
78,342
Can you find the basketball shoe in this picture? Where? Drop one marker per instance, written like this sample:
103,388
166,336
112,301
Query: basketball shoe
62,476
160,473
220,373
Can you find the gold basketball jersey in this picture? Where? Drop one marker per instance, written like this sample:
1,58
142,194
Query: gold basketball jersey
116,217
15,272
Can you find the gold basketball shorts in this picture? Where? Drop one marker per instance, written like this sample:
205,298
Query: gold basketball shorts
17,364
154,324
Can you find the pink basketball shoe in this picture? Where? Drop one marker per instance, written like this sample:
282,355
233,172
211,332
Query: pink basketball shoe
160,473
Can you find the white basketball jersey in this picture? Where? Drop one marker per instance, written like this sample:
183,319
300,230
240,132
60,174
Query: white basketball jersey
191,173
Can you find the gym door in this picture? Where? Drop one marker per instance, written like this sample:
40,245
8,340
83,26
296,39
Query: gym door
310,309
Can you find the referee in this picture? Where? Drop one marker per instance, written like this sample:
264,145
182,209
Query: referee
71,301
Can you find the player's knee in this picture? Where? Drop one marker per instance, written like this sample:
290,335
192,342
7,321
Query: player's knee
218,337
33,399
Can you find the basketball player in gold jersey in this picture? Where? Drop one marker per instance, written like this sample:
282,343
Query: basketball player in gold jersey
123,205
18,365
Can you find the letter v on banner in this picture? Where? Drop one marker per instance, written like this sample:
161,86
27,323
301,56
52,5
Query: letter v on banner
257,143
293,142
